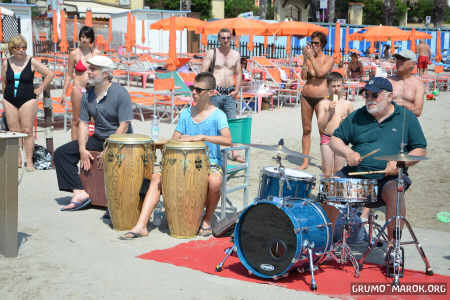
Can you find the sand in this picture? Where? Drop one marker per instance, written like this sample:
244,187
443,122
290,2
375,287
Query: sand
65,255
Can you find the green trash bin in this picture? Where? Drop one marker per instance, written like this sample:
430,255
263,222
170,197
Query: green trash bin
241,130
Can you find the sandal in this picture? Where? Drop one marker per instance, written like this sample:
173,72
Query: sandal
205,231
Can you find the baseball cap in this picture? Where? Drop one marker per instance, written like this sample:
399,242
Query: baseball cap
406,54
101,61
378,84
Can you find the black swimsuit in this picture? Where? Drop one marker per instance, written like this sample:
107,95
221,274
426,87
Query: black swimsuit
18,94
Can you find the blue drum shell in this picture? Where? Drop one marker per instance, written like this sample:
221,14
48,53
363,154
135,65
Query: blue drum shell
270,236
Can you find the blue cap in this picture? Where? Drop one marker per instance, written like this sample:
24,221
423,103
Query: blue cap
378,84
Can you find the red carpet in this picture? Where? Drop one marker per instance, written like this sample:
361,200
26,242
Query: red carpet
332,280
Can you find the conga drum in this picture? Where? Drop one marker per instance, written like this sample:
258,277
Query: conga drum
185,167
127,159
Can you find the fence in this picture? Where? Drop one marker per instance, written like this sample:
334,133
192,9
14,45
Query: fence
10,27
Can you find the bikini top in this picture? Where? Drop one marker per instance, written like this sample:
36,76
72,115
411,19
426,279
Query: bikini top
80,67
357,70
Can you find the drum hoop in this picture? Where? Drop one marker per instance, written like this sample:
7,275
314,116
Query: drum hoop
130,142
347,179
309,179
185,148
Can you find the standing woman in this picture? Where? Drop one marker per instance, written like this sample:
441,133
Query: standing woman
19,95
77,75
315,69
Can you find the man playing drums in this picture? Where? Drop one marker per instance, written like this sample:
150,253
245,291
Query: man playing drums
201,122
110,106
378,124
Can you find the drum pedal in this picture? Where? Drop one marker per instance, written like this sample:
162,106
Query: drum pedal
392,259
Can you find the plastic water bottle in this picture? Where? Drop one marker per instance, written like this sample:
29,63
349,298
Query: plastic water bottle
155,128
158,214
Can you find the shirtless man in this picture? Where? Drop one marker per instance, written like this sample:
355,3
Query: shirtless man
424,52
408,89
315,69
228,73
331,112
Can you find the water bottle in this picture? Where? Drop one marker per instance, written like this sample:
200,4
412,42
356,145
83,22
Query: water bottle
155,128
158,214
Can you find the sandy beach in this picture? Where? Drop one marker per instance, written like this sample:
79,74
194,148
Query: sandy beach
75,255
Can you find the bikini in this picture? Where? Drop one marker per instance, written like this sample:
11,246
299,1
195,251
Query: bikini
19,87
80,68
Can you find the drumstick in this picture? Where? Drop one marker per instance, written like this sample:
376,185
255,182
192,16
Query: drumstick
370,153
366,173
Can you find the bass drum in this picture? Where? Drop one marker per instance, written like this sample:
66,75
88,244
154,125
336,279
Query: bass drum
271,236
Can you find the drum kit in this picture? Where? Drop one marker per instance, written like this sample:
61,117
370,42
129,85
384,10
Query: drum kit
286,229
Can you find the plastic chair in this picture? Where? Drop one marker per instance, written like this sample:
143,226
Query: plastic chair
241,133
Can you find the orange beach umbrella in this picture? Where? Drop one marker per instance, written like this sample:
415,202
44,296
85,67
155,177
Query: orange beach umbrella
63,44
55,27
346,49
438,57
172,63
181,23
241,26
110,37
128,38
380,33
75,30
337,43
412,38
294,28
143,32
88,18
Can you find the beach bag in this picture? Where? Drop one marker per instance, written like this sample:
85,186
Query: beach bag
42,159
3,124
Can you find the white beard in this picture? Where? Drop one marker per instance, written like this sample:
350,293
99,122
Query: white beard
378,108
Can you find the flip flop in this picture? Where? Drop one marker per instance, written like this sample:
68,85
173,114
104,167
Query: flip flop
130,235
78,205
205,231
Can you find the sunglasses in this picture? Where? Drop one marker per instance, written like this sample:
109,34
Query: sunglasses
315,43
225,37
197,89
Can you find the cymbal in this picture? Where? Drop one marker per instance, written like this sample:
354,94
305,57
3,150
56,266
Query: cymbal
400,157
279,148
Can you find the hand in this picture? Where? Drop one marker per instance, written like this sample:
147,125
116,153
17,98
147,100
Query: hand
38,91
353,158
85,159
233,94
391,168
307,51
192,138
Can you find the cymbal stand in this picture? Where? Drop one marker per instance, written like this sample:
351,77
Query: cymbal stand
345,251
395,254
283,177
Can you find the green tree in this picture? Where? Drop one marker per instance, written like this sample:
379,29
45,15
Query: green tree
202,6
234,7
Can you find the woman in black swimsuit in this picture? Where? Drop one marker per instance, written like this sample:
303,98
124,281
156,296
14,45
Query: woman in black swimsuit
19,94
315,69
355,67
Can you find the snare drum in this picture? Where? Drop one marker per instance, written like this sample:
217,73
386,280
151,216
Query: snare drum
351,190
301,183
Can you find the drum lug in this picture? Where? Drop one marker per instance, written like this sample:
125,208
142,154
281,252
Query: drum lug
110,157
120,158
198,163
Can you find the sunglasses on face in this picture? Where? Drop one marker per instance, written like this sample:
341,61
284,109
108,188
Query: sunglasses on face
315,43
225,37
196,89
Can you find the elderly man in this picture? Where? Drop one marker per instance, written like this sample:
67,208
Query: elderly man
109,105
408,89
225,64
379,124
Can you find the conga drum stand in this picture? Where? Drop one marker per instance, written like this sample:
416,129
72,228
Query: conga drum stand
395,254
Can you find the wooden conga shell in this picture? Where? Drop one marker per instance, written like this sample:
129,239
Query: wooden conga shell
127,157
185,186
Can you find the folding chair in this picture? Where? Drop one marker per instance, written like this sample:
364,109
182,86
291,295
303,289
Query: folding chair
240,133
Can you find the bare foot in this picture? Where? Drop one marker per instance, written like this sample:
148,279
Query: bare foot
304,166
238,158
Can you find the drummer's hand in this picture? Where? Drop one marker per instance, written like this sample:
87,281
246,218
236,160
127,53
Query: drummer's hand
353,158
85,159
193,138
391,168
